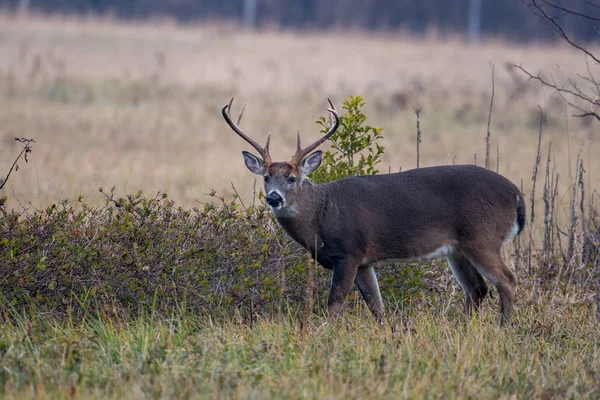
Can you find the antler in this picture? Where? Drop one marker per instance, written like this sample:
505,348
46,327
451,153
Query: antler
302,152
263,151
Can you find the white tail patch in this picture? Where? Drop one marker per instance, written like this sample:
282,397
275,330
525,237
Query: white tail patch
514,231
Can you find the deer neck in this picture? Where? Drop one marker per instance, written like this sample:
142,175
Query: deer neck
300,219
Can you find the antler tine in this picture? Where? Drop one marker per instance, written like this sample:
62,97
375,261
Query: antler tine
298,146
263,151
302,152
331,104
239,117
267,144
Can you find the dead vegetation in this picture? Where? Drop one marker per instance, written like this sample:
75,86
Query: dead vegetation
137,106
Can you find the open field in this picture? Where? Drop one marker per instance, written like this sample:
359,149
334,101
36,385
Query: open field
101,303
143,298
138,106
552,351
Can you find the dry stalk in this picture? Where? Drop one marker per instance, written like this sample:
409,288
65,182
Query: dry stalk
518,242
532,197
573,215
497,157
418,113
555,178
585,253
310,287
487,138
546,196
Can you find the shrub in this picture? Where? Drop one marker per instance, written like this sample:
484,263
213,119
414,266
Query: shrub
138,254
355,144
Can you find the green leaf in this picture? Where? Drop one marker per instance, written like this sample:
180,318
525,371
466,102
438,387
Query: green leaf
356,150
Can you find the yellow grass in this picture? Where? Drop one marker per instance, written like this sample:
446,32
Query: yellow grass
552,351
137,106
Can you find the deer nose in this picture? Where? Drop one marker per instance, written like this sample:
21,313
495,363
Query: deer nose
274,199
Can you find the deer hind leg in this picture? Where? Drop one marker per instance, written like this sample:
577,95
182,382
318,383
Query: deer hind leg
489,263
344,272
366,280
470,280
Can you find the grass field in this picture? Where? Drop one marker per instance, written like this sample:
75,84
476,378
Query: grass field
137,106
551,351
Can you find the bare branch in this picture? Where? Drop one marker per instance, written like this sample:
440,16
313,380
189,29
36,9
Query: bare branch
588,114
554,86
539,10
566,10
27,143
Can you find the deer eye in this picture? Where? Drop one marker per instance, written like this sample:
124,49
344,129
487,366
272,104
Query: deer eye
292,179
266,179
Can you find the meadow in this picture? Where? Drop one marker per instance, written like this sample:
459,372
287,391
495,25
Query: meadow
137,106
169,297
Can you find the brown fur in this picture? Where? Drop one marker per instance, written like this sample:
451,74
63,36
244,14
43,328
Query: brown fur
352,223
463,212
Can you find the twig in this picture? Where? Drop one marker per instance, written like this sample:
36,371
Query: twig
552,85
536,165
487,138
532,198
573,214
565,10
553,13
594,102
518,243
238,196
254,195
497,157
547,222
23,154
551,22
556,177
418,112
584,252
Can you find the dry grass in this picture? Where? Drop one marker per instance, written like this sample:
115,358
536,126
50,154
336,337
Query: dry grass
137,106
552,351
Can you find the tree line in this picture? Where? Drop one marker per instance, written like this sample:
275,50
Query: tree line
507,19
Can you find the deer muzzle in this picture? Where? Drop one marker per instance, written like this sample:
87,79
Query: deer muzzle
274,199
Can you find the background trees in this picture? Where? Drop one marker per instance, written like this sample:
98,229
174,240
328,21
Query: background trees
510,19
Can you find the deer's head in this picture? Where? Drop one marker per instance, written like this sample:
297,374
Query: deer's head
282,180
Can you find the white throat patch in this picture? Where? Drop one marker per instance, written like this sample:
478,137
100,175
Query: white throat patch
284,211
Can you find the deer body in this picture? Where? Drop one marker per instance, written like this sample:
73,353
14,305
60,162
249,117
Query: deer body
464,213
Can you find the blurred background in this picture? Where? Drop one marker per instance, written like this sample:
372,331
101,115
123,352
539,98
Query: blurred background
490,18
128,94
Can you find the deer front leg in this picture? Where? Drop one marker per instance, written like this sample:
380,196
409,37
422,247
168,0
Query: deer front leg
344,273
366,280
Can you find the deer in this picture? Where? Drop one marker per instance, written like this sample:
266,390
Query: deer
464,213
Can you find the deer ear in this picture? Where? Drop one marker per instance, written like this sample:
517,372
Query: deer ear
311,163
254,164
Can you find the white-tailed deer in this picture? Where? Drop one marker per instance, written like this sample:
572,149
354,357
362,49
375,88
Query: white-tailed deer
464,213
